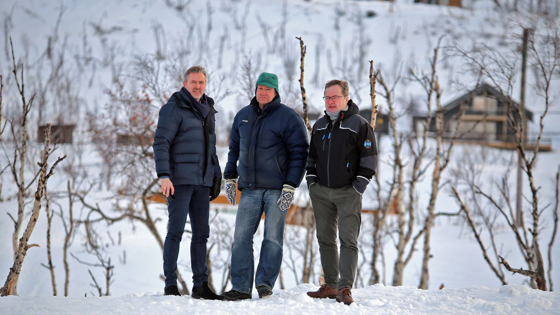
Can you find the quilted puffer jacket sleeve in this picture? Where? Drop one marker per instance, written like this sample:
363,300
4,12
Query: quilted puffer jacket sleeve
230,171
297,146
368,158
167,127
311,176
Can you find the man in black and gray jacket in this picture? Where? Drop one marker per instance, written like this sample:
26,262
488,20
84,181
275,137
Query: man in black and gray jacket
342,160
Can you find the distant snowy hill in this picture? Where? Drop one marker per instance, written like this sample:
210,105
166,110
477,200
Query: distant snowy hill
147,45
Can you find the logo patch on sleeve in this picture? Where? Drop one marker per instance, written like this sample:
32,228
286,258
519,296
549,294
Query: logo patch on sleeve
367,144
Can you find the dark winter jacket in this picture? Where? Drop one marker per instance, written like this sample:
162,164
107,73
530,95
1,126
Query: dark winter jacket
185,141
343,152
270,146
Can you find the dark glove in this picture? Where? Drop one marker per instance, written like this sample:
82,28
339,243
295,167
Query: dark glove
360,184
286,197
311,179
215,188
231,190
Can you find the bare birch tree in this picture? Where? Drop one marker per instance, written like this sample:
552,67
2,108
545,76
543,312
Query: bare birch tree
44,174
441,162
49,265
18,164
500,69
309,220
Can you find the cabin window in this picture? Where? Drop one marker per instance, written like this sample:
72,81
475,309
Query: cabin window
484,104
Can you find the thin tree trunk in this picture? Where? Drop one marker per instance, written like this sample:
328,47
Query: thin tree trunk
397,187
19,179
49,256
12,277
308,260
372,82
555,230
303,96
67,238
1,126
424,278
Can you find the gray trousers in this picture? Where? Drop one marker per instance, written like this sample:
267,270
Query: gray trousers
337,209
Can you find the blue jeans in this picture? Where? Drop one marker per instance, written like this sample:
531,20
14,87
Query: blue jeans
194,201
252,204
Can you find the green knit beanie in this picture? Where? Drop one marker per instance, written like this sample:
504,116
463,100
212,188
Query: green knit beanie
268,79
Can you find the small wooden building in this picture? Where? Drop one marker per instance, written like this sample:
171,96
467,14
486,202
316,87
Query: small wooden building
382,123
59,133
136,139
481,116
451,3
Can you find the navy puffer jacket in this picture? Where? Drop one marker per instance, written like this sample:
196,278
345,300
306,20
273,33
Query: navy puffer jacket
185,142
270,145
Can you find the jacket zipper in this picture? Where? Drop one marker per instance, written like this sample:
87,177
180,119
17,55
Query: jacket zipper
206,144
329,162
252,154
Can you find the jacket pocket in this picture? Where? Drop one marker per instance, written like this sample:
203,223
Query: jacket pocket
186,158
278,167
215,160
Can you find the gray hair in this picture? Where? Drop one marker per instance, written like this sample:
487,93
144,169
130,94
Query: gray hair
343,85
195,69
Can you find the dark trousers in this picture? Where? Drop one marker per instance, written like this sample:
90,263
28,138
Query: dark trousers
337,210
194,201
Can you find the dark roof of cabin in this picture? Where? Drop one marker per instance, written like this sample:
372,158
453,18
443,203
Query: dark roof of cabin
480,90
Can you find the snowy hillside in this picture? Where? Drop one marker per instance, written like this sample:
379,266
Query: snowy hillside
79,52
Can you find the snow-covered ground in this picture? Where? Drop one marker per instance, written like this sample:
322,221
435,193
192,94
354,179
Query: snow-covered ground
405,30
378,299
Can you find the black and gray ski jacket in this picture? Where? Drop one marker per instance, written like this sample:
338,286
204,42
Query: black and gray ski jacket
343,152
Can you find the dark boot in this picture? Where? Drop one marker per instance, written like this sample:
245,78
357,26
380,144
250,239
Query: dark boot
234,295
171,290
324,292
264,291
344,296
204,292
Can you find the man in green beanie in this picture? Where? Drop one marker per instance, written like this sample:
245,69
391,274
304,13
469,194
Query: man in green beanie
267,155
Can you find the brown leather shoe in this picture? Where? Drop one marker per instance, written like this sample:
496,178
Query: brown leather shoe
324,292
344,296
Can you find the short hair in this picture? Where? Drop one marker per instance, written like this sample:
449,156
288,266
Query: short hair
343,85
195,69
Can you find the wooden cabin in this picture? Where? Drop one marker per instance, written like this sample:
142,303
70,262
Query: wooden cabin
136,139
481,117
382,123
61,133
451,3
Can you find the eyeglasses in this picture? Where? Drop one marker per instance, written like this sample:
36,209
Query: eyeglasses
332,98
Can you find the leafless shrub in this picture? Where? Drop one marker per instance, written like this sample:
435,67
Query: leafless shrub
500,69
221,239
94,246
23,246
251,67
49,265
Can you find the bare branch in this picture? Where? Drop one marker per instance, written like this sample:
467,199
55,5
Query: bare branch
478,238
372,82
303,95
528,273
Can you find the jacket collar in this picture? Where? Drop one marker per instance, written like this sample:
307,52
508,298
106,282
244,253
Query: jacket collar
268,107
185,98
352,110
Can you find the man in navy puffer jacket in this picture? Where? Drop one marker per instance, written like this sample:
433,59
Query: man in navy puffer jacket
190,176
267,152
